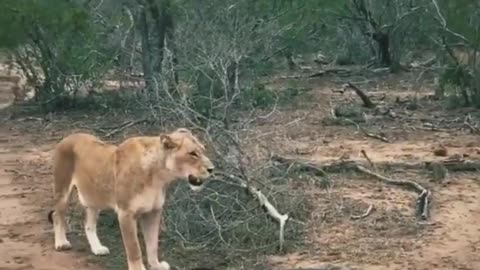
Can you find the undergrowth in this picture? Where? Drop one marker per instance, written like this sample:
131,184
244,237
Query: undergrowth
221,226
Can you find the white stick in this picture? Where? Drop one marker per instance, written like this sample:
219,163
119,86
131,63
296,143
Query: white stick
271,210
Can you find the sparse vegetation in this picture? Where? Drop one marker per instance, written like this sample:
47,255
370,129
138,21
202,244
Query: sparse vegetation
257,79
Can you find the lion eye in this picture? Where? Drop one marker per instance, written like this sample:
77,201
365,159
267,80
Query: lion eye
194,154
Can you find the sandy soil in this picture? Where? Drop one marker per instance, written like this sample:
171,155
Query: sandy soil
26,238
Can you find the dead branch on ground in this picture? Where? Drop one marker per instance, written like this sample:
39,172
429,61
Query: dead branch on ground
423,198
300,165
308,166
368,159
125,126
473,128
364,215
365,99
324,72
368,134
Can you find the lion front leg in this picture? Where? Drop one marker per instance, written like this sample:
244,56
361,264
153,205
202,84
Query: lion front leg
128,228
150,223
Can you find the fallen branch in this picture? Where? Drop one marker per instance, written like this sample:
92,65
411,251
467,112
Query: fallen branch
365,99
368,159
265,204
309,166
338,71
368,134
303,165
473,128
423,198
125,126
364,215
407,183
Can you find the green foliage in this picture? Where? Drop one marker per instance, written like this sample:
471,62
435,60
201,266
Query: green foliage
457,75
66,45
463,17
460,86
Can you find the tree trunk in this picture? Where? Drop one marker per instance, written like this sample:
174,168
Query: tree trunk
160,28
170,36
383,43
146,50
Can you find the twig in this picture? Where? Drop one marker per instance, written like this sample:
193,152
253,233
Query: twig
466,122
368,159
339,71
265,204
332,110
444,23
368,134
416,186
30,118
304,165
364,215
365,99
125,126
423,202
473,130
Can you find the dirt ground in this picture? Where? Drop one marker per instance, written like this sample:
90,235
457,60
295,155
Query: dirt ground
25,236
391,237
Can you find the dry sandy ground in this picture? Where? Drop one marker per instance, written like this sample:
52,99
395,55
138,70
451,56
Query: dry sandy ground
25,236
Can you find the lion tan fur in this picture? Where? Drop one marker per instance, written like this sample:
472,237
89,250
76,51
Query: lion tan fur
131,178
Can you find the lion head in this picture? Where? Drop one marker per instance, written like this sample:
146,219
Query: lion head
186,157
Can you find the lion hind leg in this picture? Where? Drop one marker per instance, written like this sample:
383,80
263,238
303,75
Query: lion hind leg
91,218
60,223
63,185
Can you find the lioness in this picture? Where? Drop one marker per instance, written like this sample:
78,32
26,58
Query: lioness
130,178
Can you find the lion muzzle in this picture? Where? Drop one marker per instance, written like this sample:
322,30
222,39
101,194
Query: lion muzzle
196,184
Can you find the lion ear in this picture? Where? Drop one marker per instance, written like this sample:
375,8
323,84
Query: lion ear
183,130
167,141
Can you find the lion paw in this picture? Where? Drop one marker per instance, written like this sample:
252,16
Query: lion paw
64,245
101,250
161,266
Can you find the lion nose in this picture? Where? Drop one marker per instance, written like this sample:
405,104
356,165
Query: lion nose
210,170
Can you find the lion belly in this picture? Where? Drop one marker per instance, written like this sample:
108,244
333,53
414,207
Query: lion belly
148,200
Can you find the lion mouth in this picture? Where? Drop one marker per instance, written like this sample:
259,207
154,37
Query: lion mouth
194,181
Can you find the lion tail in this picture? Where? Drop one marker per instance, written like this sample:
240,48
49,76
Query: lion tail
50,216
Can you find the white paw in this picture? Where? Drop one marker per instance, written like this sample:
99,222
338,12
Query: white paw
101,250
63,245
161,266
